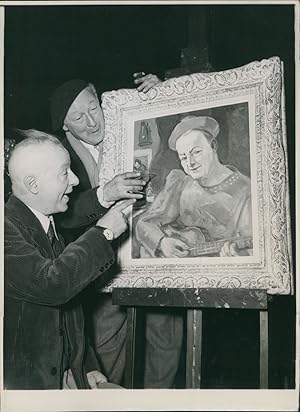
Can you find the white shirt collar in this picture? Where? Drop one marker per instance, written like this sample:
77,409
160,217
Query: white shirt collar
44,220
92,149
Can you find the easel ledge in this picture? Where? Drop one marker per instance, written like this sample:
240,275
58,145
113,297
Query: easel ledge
222,298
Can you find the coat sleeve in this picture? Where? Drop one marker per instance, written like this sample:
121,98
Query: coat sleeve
84,209
164,210
32,277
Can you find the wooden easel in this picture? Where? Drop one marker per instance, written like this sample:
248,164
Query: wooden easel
194,300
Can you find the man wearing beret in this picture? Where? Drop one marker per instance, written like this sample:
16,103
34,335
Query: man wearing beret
210,199
75,108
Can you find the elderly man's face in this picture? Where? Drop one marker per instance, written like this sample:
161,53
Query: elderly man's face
85,118
195,154
55,180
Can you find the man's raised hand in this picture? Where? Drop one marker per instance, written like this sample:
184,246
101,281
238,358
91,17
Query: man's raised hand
145,81
116,219
124,186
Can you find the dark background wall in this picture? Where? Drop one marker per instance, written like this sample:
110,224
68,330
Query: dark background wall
46,45
105,44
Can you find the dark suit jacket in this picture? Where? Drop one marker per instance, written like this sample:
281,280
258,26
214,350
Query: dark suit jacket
84,208
41,300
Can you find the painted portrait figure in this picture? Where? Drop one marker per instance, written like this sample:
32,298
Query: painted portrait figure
204,208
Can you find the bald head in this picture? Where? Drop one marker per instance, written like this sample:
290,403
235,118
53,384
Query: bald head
39,168
31,157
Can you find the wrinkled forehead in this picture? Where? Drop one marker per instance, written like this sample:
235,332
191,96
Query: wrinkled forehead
190,139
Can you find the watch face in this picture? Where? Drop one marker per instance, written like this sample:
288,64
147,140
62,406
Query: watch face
108,234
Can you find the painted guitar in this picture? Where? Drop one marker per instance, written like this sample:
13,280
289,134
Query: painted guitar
196,239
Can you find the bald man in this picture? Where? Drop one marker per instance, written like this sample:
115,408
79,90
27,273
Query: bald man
44,340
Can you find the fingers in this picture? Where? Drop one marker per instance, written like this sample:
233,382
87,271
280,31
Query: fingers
228,249
130,188
146,82
147,85
128,185
172,247
224,249
129,175
134,183
130,179
150,78
138,75
181,253
181,248
133,195
181,245
100,378
233,249
123,204
93,383
94,378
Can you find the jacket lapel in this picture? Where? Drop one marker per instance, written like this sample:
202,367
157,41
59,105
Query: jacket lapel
16,210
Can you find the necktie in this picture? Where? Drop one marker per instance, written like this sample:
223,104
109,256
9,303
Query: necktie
56,245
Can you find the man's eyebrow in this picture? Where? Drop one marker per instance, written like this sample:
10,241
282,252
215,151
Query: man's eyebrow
65,166
194,147
74,112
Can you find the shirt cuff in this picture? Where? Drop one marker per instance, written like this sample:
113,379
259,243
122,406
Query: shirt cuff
101,200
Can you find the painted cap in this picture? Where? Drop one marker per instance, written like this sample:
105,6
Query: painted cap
202,123
61,100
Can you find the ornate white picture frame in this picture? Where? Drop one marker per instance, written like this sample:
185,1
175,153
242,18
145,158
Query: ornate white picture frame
248,104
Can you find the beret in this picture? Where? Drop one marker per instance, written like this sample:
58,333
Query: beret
202,123
61,100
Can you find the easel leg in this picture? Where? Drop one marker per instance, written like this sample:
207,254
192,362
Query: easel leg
130,348
194,348
264,353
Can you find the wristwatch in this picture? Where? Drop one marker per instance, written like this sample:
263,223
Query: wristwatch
108,233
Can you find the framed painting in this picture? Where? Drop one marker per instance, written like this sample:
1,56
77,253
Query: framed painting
216,208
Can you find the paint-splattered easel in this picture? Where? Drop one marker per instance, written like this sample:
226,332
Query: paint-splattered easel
194,299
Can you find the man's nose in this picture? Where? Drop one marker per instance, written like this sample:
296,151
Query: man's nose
191,161
73,179
90,120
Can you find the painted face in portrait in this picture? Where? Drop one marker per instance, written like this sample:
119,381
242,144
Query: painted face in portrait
195,153
85,118
55,182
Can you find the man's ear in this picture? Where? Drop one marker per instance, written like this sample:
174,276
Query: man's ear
214,145
31,184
